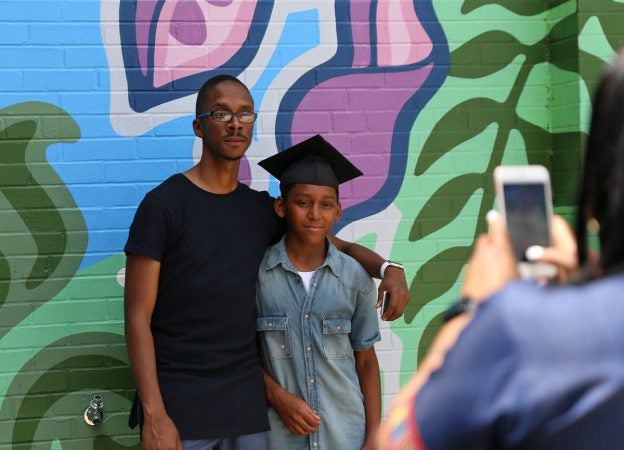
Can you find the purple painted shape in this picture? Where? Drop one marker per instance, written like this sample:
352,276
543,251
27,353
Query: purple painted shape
360,28
368,142
219,2
244,171
144,17
188,23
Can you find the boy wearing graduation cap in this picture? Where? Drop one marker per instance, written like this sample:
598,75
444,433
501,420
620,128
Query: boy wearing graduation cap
317,322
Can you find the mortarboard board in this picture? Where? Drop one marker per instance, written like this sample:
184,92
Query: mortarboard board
313,161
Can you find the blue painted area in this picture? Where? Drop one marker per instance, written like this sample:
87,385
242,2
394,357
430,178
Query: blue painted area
33,11
301,33
274,187
108,174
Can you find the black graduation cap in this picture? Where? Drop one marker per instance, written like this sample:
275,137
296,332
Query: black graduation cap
313,161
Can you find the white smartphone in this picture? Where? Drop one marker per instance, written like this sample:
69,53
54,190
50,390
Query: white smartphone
523,198
385,302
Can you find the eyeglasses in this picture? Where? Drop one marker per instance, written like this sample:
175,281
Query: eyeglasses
226,116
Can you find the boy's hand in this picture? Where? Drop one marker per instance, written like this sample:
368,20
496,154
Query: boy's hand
395,284
296,414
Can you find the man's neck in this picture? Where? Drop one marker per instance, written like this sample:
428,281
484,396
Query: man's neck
217,177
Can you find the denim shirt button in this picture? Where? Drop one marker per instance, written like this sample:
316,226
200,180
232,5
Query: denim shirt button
311,380
307,316
309,349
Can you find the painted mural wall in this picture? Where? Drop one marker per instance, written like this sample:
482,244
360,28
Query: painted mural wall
96,104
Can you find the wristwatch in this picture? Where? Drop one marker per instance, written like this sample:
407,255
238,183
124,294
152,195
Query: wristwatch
464,305
389,263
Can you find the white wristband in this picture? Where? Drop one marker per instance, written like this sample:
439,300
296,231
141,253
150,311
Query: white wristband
386,264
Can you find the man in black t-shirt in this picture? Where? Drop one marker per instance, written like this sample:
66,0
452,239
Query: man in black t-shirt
193,253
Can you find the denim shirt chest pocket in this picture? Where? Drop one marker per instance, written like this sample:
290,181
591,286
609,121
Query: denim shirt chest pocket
336,341
273,331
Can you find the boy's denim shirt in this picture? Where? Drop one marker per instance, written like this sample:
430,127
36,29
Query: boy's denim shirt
307,341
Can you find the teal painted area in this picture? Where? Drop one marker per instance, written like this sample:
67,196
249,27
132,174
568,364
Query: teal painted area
67,350
505,101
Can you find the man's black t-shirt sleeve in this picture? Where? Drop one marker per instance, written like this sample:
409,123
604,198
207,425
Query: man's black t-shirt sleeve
148,231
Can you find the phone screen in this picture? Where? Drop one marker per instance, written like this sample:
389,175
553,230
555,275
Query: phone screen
526,216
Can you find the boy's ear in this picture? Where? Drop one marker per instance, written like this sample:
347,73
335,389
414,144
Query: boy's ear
280,207
198,129
338,213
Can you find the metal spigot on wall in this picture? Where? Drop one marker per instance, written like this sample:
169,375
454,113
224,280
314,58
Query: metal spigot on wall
94,414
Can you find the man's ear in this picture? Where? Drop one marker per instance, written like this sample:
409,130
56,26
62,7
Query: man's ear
198,128
280,207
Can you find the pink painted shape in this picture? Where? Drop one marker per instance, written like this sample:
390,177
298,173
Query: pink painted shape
360,27
368,142
226,25
401,38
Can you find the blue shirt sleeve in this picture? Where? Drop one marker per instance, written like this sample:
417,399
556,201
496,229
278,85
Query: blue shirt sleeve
456,409
364,323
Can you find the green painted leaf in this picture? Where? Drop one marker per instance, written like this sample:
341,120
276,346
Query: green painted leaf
611,17
520,7
434,278
47,230
562,45
445,204
593,68
567,161
458,125
538,142
485,54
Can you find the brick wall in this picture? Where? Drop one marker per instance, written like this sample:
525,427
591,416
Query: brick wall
96,103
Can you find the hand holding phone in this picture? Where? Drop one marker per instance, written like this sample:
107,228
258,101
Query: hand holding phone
523,198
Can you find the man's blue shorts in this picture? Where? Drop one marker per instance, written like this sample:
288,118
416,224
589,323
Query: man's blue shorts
256,441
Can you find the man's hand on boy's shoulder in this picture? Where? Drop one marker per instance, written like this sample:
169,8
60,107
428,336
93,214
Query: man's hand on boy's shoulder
395,284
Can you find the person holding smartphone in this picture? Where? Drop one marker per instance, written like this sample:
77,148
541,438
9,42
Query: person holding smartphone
525,366
317,323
